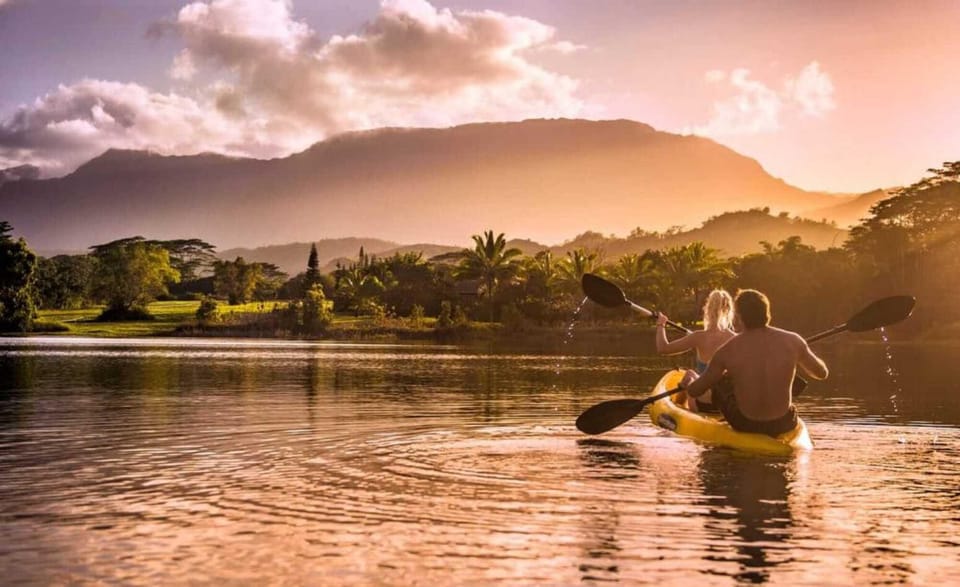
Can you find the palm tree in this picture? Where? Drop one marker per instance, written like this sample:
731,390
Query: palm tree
358,290
636,275
490,261
541,273
686,270
577,262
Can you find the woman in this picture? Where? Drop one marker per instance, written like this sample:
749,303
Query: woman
717,330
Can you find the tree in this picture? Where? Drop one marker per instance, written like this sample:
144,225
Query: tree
409,281
911,243
129,274
190,257
807,288
63,282
636,276
491,262
18,266
316,312
313,269
572,268
237,280
357,291
683,272
271,281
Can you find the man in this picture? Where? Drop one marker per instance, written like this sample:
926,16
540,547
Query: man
759,363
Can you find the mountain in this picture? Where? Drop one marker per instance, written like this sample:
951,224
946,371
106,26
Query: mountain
733,233
853,210
536,179
18,173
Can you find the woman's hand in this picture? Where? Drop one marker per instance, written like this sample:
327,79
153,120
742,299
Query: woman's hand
661,319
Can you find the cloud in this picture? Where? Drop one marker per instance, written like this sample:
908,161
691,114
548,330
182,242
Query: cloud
756,108
77,122
812,90
279,87
563,47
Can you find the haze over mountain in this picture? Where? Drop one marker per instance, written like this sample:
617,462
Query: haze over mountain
537,179
733,233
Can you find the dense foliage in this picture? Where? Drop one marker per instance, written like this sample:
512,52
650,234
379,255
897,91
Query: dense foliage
18,266
910,243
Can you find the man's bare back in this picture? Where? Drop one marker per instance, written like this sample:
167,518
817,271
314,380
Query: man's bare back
761,361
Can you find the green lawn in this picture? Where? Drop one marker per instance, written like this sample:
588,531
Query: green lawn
168,315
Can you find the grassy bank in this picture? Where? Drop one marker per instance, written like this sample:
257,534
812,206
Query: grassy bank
168,318
178,318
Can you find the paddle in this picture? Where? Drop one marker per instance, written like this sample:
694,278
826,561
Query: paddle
610,414
607,294
883,312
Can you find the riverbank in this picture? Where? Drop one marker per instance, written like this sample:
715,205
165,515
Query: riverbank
257,320
254,320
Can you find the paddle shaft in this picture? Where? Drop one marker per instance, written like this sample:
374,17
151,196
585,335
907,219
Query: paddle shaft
651,314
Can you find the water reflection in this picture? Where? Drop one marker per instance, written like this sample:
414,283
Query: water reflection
612,461
748,499
409,464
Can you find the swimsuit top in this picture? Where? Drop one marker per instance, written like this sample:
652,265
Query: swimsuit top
700,366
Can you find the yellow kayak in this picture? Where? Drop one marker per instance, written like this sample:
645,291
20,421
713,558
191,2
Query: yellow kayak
711,429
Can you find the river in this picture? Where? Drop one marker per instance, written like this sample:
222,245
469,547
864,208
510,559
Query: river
172,461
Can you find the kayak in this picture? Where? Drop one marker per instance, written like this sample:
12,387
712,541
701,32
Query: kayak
712,429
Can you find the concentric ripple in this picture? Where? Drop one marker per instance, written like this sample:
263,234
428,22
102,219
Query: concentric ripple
279,463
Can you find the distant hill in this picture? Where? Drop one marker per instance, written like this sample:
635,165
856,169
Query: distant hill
734,233
852,211
538,179
292,258
18,173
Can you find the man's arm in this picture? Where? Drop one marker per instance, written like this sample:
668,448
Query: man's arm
810,363
710,377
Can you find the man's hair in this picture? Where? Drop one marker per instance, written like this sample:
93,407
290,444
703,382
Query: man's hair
753,308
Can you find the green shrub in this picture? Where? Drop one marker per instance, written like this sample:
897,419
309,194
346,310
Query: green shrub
445,318
316,312
209,310
417,316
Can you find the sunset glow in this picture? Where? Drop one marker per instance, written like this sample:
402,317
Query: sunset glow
843,98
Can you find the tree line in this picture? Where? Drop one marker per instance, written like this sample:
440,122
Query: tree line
909,243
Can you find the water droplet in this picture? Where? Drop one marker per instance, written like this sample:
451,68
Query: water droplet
892,373
568,336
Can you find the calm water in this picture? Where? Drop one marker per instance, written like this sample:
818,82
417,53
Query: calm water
225,462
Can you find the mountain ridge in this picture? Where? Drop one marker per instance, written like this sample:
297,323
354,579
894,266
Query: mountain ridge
536,179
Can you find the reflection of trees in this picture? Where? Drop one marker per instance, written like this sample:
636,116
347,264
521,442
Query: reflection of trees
605,460
753,495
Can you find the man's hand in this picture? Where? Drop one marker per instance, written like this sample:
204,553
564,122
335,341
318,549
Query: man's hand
689,377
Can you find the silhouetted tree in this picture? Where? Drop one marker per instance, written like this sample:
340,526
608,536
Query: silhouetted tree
18,265
489,261
312,276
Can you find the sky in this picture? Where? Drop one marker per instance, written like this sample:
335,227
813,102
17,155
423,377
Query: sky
841,96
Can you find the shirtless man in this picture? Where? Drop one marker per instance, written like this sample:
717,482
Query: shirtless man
760,363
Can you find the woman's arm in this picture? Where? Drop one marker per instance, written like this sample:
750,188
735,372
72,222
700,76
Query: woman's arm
665,347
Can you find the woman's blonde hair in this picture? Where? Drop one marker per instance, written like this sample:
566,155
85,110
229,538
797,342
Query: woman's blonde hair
718,310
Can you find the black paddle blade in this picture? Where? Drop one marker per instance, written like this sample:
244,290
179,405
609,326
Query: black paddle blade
602,291
882,312
608,415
